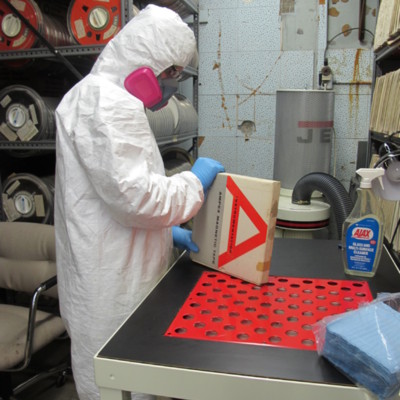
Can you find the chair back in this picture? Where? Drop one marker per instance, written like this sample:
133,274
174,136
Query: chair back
27,256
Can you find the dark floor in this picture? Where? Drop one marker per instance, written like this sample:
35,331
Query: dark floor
48,390
59,386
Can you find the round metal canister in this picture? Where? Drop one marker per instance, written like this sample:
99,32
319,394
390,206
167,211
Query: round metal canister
303,134
25,115
28,198
15,35
93,22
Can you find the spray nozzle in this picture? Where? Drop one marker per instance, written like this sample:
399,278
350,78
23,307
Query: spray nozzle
368,175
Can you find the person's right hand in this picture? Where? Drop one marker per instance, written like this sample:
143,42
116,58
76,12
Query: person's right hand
206,169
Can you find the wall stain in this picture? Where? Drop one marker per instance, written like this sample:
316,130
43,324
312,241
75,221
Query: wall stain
286,7
253,91
333,12
217,66
354,95
346,30
256,90
253,95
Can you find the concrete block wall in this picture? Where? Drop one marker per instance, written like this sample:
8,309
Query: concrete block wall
249,49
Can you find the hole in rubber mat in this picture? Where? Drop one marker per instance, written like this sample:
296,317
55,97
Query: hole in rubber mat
279,313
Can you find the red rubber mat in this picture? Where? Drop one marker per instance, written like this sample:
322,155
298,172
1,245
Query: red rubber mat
279,313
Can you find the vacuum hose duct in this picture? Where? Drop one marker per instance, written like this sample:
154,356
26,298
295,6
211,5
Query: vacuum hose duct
336,195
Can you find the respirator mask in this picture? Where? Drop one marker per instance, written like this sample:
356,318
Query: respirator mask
152,91
168,88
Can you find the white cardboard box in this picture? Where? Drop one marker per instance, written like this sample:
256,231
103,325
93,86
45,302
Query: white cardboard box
235,227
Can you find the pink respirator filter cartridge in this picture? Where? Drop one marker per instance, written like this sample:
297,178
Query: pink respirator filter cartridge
143,84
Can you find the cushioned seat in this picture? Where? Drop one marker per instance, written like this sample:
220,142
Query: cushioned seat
27,265
13,332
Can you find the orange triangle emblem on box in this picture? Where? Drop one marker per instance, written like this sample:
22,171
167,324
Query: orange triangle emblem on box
240,201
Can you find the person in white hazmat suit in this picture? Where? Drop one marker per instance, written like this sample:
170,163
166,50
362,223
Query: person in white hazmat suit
116,213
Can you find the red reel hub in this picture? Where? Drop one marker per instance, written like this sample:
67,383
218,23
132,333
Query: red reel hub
15,35
94,22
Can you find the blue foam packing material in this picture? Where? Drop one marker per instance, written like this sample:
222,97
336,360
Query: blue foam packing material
365,345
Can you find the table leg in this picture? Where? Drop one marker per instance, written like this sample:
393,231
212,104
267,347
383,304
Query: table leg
114,394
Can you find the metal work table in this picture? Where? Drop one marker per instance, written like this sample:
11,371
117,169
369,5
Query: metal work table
140,358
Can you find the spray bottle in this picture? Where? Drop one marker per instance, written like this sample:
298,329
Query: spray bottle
362,237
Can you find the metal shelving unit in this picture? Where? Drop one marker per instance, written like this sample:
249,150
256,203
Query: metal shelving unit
45,53
387,59
32,145
175,139
68,55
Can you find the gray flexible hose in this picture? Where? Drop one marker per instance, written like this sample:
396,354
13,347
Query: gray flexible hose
331,188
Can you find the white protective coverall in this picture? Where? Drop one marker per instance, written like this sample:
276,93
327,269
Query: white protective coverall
114,206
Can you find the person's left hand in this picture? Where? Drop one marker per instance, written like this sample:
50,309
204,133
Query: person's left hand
183,239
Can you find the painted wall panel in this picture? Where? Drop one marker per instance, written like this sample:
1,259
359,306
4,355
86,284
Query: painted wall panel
249,49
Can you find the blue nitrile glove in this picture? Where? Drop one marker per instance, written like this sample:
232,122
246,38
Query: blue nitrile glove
206,169
183,239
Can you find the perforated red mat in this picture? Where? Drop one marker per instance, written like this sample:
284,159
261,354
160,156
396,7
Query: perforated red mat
279,313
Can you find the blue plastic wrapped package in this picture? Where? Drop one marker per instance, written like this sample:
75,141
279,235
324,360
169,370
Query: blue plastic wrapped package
364,344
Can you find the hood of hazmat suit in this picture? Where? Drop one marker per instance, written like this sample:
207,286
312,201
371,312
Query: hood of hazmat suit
114,206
